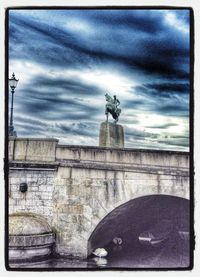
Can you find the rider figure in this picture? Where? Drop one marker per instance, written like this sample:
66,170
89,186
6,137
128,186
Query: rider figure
112,107
116,102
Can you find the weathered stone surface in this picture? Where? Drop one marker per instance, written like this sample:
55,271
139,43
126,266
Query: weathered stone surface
29,254
32,149
86,183
11,149
30,237
39,196
27,224
111,135
31,240
126,156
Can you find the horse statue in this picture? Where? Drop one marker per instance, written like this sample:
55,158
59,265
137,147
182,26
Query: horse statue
112,107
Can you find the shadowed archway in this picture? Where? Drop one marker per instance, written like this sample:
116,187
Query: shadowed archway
151,231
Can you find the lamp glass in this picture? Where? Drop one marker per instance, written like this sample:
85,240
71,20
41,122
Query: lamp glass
13,82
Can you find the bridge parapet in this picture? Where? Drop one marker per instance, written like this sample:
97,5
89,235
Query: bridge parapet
125,157
32,149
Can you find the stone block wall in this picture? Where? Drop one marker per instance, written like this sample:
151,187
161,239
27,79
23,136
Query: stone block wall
32,149
75,187
39,196
83,197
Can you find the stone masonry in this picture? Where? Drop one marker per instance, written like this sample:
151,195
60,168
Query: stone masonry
75,187
111,135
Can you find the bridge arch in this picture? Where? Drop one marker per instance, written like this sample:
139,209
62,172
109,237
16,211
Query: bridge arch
159,214
117,191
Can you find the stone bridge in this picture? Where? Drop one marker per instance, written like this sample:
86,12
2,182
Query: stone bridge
76,187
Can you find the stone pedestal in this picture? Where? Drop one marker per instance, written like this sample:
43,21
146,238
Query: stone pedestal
111,135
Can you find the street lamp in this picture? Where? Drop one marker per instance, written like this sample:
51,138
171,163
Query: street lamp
13,84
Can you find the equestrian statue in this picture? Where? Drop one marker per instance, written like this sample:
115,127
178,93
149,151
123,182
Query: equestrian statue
112,107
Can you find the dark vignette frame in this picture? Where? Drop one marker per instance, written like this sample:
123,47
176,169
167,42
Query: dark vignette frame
191,131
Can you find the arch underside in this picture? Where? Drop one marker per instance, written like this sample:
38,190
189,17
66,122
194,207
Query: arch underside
149,231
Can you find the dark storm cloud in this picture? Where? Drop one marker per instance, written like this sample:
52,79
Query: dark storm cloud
128,19
56,100
160,103
175,141
136,133
173,109
50,46
138,44
66,85
160,51
34,127
134,104
162,126
174,87
34,133
163,98
24,121
82,129
50,107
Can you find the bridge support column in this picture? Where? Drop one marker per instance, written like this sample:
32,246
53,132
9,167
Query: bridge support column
71,236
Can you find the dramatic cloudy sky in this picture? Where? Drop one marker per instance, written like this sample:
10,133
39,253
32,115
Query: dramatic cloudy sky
66,60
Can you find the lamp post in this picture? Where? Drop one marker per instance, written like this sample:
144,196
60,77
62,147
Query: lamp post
13,84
